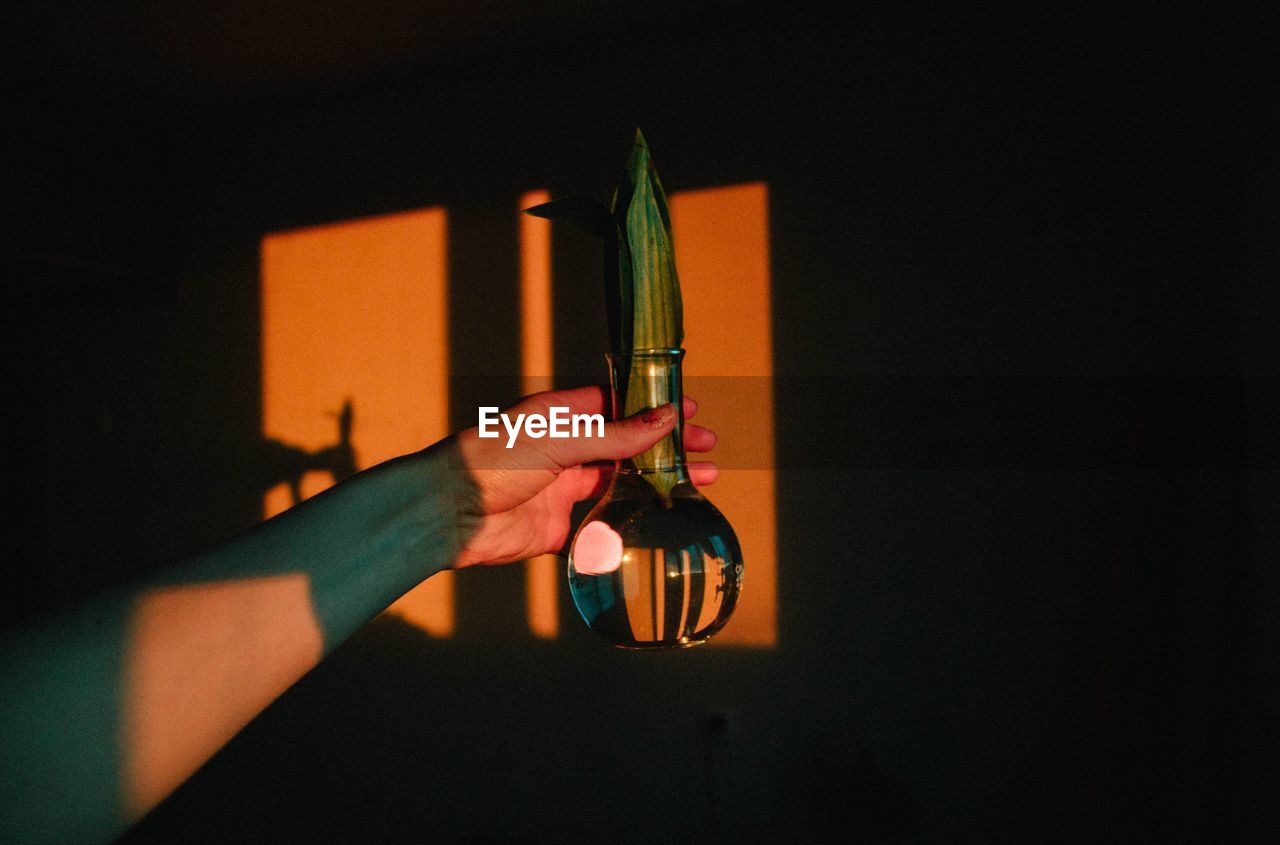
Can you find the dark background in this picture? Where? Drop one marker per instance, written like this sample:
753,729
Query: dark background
1025,323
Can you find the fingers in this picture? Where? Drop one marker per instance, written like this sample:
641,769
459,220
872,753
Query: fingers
703,473
582,400
621,439
591,481
579,400
699,439
625,438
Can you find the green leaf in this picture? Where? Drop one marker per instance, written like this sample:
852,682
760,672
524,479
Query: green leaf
658,321
640,207
641,287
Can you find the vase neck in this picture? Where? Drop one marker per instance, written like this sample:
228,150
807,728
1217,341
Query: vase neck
640,381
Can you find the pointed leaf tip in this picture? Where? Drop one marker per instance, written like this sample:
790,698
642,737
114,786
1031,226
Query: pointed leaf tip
586,213
639,161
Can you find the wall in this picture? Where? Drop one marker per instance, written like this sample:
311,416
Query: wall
1023,334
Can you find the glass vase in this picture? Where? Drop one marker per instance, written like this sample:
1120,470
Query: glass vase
654,565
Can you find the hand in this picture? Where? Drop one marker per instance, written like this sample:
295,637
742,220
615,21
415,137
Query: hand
528,491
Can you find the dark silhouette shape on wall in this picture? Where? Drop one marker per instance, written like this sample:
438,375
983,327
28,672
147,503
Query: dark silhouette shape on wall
281,462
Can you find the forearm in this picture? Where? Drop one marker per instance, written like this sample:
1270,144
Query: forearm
107,708
359,545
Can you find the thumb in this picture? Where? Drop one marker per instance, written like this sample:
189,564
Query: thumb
621,439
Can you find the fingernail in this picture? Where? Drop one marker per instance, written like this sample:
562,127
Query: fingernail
657,417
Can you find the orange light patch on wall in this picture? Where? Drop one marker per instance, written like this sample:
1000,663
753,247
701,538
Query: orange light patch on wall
722,251
358,311
542,573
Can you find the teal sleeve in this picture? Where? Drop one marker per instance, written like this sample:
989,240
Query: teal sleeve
363,543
